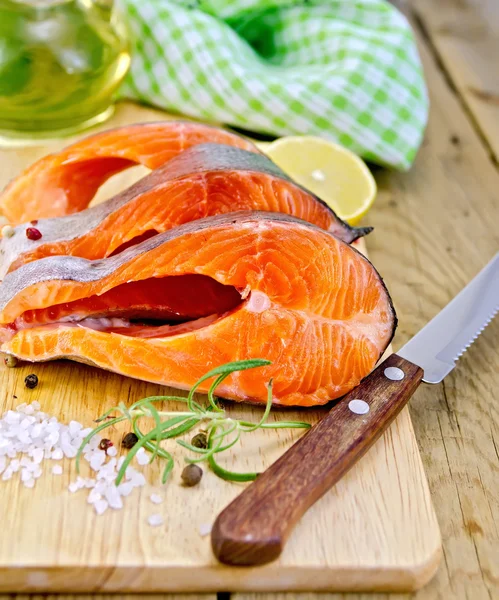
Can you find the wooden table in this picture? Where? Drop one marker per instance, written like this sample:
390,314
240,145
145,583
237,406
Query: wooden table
436,226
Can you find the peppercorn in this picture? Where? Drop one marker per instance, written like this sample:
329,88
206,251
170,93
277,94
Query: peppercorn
31,381
7,231
200,441
32,233
34,222
105,444
129,440
10,361
191,475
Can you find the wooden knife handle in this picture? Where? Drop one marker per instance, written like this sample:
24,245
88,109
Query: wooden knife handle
253,529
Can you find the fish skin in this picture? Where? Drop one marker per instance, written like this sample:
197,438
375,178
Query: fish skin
65,182
64,235
325,319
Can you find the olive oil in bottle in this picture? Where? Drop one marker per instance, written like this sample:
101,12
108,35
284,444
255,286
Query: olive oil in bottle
61,62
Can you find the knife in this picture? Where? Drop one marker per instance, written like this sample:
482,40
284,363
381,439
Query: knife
253,529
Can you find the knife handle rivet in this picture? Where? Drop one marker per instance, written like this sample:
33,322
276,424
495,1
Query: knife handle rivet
394,373
359,407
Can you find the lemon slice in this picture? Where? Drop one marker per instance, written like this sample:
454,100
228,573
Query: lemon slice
337,175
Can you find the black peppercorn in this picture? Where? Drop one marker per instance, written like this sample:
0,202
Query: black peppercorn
200,441
31,381
129,440
191,475
105,444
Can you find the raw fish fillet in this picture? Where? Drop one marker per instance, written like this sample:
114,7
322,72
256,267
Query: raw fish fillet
219,289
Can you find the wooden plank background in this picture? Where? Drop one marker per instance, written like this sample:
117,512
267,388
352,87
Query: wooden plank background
435,228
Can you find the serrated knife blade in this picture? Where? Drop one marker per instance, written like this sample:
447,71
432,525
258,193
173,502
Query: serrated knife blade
443,340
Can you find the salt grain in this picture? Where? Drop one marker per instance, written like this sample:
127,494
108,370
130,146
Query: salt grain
205,529
155,520
125,489
94,496
97,460
37,455
74,428
141,457
37,472
57,454
113,497
29,436
25,475
100,506
7,474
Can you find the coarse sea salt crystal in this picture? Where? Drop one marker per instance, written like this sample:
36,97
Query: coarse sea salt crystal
36,436
155,520
74,428
7,474
36,431
12,417
113,497
205,529
24,437
156,498
100,506
138,480
37,472
69,450
125,489
57,454
142,458
26,474
37,455
97,460
94,496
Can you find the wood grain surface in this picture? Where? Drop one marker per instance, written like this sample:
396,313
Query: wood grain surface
464,35
375,530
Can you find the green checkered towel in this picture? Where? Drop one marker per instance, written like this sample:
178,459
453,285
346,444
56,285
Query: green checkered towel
347,70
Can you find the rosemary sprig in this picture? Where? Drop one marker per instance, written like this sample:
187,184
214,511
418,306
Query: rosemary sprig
222,431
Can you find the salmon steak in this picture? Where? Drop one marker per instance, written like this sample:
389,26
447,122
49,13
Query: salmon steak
206,180
66,182
214,290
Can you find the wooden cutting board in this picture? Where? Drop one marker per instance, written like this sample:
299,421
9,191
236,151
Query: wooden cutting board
376,530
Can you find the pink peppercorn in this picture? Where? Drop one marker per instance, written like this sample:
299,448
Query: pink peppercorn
32,233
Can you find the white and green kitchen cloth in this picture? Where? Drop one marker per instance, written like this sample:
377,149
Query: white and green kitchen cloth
347,70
